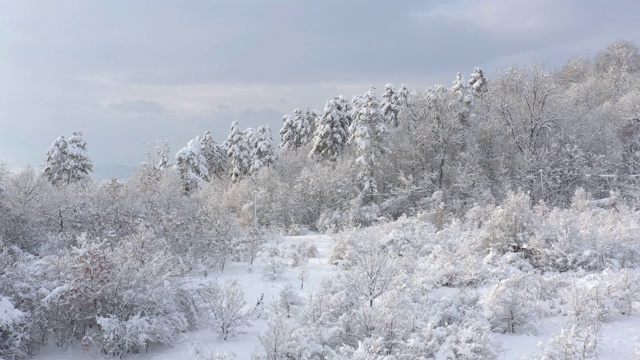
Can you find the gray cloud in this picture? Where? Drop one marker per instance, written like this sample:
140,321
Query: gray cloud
138,106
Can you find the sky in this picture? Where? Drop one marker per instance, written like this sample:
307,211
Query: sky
131,72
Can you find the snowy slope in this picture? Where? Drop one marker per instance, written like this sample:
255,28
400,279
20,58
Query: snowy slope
619,335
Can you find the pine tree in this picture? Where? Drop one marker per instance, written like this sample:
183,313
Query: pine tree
477,82
79,163
192,165
390,105
214,155
313,119
237,153
331,133
302,128
344,107
251,139
366,133
461,90
54,168
287,133
403,96
263,152
67,162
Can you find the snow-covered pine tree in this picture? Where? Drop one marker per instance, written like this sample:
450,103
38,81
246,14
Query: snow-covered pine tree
263,152
214,155
251,139
366,133
287,133
67,161
331,133
461,90
237,153
192,165
403,96
356,104
390,105
477,82
79,163
54,167
302,128
313,119
296,131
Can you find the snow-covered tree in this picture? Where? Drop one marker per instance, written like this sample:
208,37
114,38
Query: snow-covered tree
303,127
620,64
297,131
390,105
192,165
288,133
67,161
403,96
13,331
214,155
226,304
313,117
238,153
162,151
461,91
477,82
55,166
510,304
79,163
332,131
373,267
262,149
366,133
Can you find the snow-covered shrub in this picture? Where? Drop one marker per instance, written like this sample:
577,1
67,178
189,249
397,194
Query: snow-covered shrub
367,349
623,288
226,306
360,214
273,265
302,252
372,268
331,221
587,236
252,244
14,332
22,289
549,293
587,304
278,342
510,226
287,302
118,298
574,343
510,304
452,327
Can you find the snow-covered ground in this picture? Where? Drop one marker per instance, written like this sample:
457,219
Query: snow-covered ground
617,342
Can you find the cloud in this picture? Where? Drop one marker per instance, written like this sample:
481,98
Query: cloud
138,106
505,19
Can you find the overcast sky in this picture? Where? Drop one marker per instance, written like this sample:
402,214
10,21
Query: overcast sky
129,72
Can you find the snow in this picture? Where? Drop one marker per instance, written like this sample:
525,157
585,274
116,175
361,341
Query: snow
620,334
8,313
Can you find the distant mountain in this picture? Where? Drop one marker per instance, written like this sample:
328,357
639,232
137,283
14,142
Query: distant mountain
108,171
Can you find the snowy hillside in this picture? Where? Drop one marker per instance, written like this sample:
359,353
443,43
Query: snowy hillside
537,318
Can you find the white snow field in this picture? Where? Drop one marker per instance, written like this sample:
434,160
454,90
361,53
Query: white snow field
619,335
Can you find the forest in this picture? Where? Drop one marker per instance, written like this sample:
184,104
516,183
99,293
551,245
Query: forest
458,216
